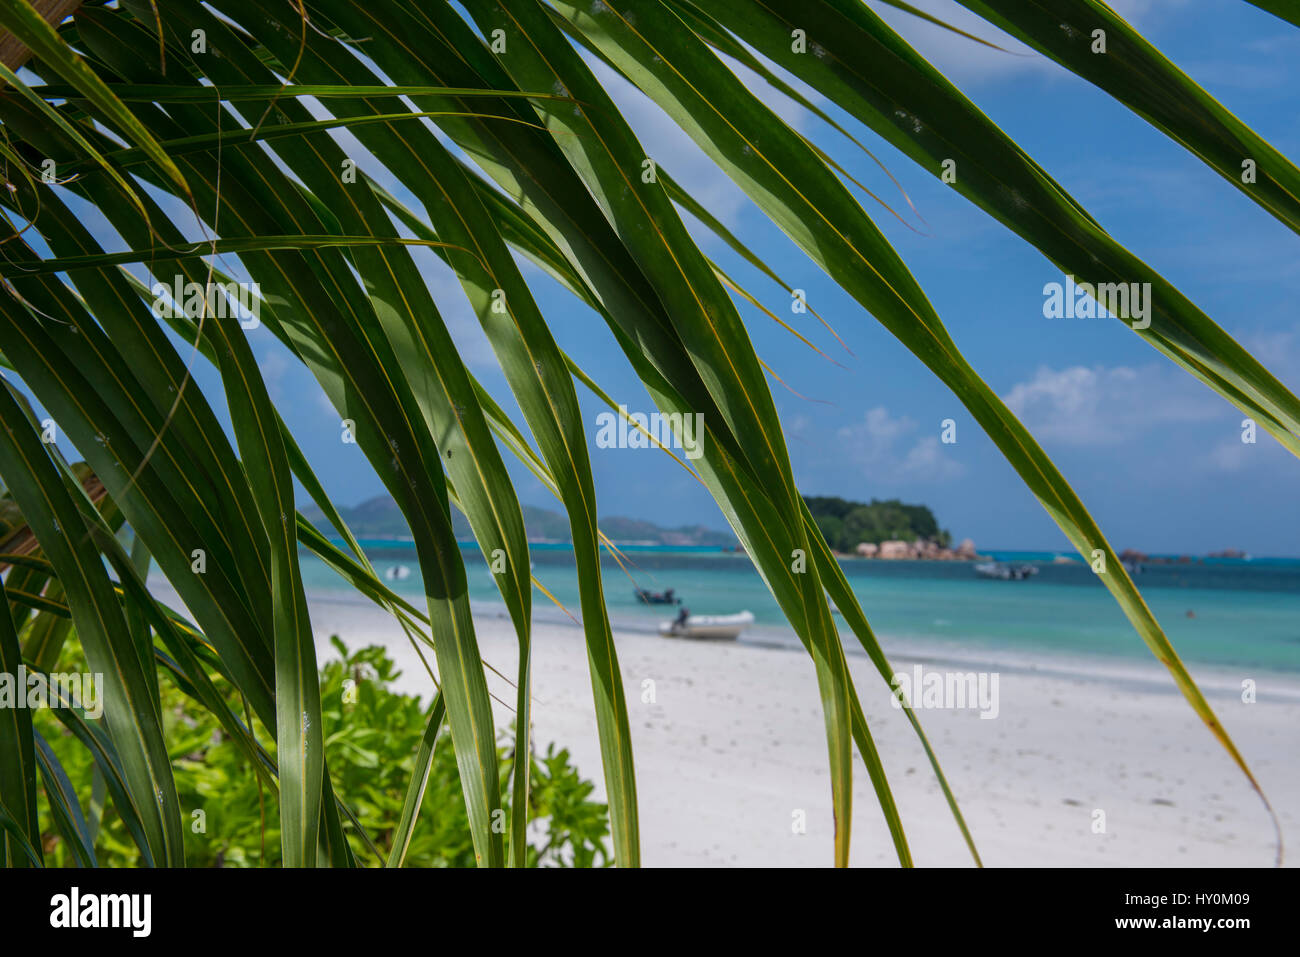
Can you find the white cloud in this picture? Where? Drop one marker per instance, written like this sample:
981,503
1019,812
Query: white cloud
887,448
968,63
1138,11
666,143
466,331
794,114
1084,406
1265,453
1230,456
325,406
273,366
1279,351
959,58
926,458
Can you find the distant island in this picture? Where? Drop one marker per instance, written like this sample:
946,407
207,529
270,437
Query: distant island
1131,557
888,529
380,517
875,529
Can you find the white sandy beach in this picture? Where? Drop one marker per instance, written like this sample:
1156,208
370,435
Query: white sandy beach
734,744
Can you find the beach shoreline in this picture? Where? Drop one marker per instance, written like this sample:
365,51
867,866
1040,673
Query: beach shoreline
731,754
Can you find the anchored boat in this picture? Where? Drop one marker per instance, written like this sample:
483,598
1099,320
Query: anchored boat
716,627
1006,573
657,598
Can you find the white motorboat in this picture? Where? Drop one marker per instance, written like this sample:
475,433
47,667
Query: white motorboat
716,627
397,573
1006,573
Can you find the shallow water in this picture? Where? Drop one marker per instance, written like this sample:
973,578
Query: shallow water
1246,613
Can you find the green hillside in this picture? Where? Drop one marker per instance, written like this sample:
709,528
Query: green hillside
846,523
380,517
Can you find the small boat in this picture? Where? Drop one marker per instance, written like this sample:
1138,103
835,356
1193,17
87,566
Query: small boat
1006,573
717,627
657,598
397,573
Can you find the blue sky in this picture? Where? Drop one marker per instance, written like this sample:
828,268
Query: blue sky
1155,455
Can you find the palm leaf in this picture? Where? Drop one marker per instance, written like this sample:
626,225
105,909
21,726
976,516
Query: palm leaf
17,748
531,158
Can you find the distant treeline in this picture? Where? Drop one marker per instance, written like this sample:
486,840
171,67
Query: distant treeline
846,524
380,518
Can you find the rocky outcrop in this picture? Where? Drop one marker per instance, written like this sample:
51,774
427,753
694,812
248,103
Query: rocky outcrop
897,550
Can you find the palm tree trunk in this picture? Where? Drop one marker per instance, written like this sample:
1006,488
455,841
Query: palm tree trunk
12,53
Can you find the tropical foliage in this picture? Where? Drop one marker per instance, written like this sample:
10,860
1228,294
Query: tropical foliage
373,736
845,524
202,142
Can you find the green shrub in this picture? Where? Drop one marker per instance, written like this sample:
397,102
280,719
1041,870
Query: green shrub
371,735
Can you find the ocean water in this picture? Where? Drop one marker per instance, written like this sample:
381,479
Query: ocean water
1226,613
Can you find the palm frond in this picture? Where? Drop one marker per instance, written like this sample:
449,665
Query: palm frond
495,123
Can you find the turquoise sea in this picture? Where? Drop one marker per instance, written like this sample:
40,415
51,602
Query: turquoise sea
1228,613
